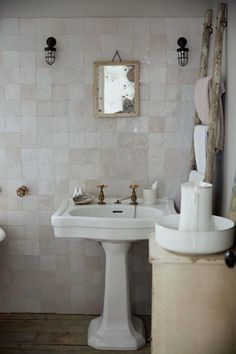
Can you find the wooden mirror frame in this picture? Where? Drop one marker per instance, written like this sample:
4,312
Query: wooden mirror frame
136,112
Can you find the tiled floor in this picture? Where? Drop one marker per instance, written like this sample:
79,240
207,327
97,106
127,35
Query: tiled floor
51,334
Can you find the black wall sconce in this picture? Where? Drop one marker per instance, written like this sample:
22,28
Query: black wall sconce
182,51
50,51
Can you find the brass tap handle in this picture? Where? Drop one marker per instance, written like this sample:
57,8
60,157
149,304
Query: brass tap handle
22,191
101,196
133,194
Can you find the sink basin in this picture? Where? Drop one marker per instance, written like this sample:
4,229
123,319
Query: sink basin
111,222
218,240
116,226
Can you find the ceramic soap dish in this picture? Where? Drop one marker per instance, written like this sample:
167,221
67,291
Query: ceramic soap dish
83,199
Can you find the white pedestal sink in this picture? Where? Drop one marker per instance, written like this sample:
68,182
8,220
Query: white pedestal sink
219,239
116,227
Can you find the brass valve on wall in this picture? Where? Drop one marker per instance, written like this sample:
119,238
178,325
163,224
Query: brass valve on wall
22,191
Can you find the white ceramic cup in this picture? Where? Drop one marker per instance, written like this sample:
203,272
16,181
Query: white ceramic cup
149,196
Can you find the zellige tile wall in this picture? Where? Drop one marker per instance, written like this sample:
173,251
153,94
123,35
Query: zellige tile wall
51,142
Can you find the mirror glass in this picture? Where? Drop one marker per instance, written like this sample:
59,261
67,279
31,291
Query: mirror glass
116,89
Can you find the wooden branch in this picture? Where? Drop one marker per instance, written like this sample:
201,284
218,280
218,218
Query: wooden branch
215,94
207,31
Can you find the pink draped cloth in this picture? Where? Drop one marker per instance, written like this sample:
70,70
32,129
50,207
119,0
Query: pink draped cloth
202,104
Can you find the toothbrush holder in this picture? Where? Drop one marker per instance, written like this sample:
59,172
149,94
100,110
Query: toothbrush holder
149,196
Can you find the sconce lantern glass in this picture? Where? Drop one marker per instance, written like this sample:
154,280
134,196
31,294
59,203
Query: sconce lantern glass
50,51
182,51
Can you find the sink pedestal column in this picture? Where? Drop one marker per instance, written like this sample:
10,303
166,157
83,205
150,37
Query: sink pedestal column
116,329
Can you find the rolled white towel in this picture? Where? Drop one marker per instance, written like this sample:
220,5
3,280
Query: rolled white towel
200,146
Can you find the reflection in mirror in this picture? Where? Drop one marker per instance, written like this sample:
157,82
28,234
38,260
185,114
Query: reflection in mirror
116,89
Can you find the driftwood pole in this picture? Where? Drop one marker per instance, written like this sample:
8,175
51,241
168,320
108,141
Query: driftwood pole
207,31
215,93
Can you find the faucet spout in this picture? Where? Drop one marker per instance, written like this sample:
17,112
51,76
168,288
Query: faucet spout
133,196
121,200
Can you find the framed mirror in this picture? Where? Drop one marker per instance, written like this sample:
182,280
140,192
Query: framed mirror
116,89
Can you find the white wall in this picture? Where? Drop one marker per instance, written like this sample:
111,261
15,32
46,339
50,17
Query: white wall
49,270
51,141
104,8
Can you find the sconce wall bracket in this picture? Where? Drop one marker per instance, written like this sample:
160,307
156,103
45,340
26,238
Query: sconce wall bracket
50,51
182,51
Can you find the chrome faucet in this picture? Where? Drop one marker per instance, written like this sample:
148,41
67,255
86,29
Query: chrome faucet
133,196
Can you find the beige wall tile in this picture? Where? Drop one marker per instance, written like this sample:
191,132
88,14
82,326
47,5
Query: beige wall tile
51,141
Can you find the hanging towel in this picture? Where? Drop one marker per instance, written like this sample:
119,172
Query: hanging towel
201,99
220,130
200,146
202,104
